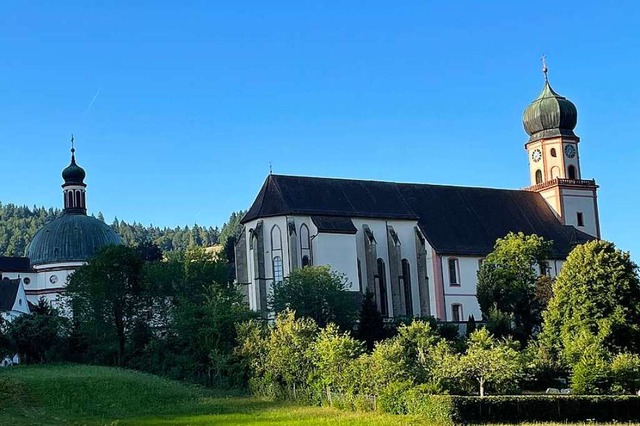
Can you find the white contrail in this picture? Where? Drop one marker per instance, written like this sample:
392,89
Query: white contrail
94,99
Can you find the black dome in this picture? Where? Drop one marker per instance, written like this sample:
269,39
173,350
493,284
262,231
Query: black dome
73,174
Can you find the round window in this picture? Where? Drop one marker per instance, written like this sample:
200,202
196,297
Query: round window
53,279
27,280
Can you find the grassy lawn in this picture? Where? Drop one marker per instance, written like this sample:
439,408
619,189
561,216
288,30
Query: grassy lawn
88,395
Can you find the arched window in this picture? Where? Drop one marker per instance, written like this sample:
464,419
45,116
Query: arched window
572,172
553,152
538,176
555,172
305,245
276,254
276,238
382,287
69,199
78,199
406,280
304,237
278,274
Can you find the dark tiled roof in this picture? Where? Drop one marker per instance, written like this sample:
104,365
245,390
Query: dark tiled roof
455,220
334,224
8,292
14,264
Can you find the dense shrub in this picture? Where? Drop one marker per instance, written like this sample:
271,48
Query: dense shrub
544,408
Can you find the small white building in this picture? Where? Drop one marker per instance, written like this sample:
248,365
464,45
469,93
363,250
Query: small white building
13,299
418,247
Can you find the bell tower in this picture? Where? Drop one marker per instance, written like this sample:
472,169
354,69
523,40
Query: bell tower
554,160
74,188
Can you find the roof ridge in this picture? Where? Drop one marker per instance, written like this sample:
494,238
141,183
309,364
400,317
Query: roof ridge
395,182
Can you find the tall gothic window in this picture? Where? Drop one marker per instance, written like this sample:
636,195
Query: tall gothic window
278,273
276,238
538,176
382,287
276,254
406,280
305,245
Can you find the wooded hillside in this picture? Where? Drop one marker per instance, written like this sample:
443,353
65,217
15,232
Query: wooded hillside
18,225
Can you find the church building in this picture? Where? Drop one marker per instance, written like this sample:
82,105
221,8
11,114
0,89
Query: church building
418,247
62,245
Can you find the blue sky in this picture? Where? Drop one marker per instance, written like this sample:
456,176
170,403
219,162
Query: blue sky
178,107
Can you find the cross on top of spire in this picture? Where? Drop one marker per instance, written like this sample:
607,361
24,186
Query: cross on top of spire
545,70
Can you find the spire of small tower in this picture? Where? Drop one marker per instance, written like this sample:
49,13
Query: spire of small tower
73,150
545,70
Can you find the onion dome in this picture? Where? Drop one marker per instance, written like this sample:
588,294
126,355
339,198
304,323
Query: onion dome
73,174
70,238
550,115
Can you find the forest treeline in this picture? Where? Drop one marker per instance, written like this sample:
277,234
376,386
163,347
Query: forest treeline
18,225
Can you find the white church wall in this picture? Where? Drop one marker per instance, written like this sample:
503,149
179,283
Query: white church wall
584,202
462,289
340,253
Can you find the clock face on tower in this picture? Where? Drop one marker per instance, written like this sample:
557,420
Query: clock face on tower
570,151
536,155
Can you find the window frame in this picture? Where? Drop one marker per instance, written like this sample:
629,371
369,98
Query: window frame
459,308
456,269
278,265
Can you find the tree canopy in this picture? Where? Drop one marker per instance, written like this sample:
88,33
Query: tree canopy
597,293
315,292
507,282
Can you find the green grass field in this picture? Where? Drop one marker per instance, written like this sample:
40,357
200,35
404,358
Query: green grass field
88,395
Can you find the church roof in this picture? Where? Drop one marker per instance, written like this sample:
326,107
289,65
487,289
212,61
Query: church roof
8,292
14,264
455,220
70,237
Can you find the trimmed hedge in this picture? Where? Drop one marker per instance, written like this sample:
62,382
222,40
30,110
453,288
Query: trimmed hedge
544,408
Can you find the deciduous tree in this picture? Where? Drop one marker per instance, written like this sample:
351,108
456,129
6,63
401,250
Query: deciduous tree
507,281
597,293
318,293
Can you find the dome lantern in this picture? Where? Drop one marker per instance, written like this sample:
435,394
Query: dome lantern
74,188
